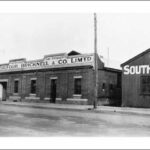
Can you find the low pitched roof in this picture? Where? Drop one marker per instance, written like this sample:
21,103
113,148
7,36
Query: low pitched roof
135,57
73,53
112,69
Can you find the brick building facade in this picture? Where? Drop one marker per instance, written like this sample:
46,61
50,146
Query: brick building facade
60,78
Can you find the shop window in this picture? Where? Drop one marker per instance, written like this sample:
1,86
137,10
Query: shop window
77,86
33,86
145,84
16,86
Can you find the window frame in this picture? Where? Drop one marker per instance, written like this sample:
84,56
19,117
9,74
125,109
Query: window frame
141,85
111,86
76,88
31,80
103,86
16,80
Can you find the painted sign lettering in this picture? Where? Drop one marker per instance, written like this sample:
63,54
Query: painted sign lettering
141,69
49,62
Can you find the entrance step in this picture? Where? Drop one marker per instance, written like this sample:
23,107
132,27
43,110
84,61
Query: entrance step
14,98
73,101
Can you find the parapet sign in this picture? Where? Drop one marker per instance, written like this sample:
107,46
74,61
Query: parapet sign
141,69
49,62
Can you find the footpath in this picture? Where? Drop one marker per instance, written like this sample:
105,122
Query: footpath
89,108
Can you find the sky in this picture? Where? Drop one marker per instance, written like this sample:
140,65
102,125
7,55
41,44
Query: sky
121,36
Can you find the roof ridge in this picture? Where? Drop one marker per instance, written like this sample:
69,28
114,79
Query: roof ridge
135,57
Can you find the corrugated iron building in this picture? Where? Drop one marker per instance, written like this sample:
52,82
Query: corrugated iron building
136,81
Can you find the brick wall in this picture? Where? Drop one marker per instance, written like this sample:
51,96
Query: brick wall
65,83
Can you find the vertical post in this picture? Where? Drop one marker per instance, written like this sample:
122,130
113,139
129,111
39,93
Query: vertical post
95,62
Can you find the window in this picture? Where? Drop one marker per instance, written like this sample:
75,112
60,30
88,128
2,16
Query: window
118,80
145,84
16,86
111,86
103,87
33,86
77,86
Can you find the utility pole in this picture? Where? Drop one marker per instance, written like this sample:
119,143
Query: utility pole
95,62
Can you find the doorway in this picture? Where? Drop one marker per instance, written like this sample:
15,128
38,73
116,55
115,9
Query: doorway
53,90
3,91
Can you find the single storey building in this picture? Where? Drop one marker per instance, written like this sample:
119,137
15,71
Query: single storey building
136,81
59,78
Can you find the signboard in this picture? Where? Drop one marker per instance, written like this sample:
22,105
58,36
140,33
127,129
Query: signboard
49,62
141,69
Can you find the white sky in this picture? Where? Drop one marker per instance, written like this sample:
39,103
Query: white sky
34,35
